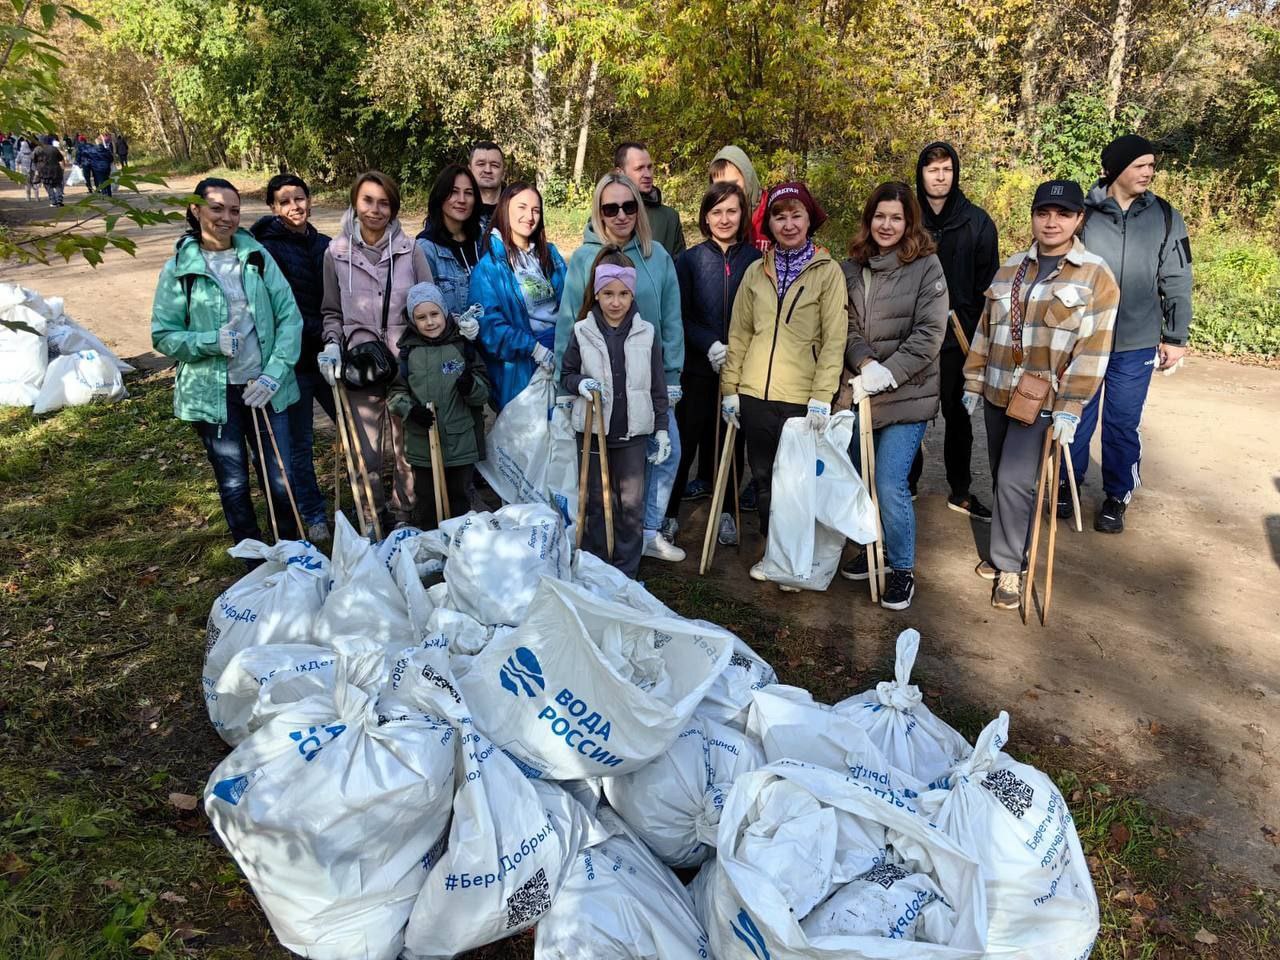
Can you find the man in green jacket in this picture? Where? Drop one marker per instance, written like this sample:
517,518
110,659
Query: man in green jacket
631,158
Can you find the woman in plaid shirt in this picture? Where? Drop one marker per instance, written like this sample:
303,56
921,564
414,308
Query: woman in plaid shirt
1050,313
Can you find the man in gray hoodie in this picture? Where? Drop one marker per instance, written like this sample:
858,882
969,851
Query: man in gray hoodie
1144,242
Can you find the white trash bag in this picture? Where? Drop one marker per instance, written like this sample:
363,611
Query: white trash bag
24,354
531,455
240,701
67,336
496,560
336,806
429,548
509,846
887,900
364,601
673,803
1039,892
729,699
584,687
818,501
793,837
607,582
901,726
276,603
76,379
619,903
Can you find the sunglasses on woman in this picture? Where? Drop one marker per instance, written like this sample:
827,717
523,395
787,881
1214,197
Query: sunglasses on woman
611,210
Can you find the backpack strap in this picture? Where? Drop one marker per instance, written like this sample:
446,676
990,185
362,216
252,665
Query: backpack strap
1167,210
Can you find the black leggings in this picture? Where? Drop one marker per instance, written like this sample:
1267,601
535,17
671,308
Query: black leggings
456,481
762,422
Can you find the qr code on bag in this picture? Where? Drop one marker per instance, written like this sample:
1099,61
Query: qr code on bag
886,875
738,660
211,634
531,901
1009,790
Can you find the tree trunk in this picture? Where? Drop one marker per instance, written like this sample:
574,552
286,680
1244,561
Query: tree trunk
21,22
184,141
584,127
1119,49
1030,77
543,116
155,112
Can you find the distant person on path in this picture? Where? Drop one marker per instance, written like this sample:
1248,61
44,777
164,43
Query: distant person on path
8,151
122,150
488,165
25,163
519,282
897,316
733,165
615,352
225,312
1049,314
787,334
967,246
368,270
619,218
298,250
709,275
1144,241
47,164
100,159
631,158
451,238
84,161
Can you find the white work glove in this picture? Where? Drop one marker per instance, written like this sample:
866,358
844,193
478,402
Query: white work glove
971,402
729,410
717,354
819,412
674,393
876,377
544,358
1064,427
469,321
859,391
228,340
258,393
587,387
663,439
329,361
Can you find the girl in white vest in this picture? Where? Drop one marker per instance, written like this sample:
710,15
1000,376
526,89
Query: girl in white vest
615,352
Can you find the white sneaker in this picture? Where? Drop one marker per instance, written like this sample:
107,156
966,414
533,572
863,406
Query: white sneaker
660,548
757,573
788,589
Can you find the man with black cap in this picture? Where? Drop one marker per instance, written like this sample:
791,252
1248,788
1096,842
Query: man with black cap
1144,242
1038,356
967,246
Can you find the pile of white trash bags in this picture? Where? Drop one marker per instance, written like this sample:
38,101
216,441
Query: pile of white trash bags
533,740
47,360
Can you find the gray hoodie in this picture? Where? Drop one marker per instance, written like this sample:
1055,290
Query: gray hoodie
1155,290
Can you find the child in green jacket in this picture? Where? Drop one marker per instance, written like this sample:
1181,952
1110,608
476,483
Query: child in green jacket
443,382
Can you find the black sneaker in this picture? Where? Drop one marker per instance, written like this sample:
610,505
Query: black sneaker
1110,518
748,500
899,588
697,490
856,569
1066,509
970,506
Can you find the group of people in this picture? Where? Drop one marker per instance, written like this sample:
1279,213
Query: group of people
45,161
756,325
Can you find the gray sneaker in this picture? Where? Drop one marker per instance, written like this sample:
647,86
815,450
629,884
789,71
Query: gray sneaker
670,527
318,532
728,532
1007,592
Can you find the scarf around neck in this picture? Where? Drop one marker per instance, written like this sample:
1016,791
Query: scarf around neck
790,263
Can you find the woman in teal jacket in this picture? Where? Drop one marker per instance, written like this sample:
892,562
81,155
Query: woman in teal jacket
519,282
225,312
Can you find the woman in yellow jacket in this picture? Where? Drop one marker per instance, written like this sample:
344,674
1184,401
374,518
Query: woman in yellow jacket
786,337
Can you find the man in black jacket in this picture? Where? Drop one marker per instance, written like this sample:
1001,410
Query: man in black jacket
967,246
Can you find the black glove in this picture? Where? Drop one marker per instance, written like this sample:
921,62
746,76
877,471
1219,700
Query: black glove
421,416
466,383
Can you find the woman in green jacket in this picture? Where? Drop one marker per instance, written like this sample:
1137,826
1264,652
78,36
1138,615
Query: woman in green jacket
225,312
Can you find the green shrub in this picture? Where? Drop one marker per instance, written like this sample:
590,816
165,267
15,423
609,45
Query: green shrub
1236,298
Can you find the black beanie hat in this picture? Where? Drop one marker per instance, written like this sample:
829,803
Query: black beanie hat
1122,151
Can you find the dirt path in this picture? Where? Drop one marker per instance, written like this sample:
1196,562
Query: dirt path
1161,653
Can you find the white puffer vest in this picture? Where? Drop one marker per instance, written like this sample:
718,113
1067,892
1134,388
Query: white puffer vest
637,353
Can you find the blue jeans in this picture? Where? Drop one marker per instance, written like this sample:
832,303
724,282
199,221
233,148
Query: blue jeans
660,480
896,447
302,467
1122,397
225,444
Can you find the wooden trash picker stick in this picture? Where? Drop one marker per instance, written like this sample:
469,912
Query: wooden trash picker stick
344,443
717,500
584,472
437,468
354,443
1036,510
1053,536
284,475
1075,490
875,551
606,488
266,479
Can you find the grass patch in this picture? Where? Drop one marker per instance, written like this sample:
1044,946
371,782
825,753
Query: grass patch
112,548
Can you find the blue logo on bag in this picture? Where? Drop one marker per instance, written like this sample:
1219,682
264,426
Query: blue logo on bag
231,789
522,671
750,934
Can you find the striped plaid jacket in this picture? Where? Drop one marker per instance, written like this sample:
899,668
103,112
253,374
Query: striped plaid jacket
1066,334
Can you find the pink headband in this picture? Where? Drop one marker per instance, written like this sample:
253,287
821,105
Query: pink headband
607,272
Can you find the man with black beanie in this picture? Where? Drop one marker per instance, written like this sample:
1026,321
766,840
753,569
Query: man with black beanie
1144,242
967,246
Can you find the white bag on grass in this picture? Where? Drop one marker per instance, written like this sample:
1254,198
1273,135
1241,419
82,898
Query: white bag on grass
276,603
607,582
728,701
496,560
364,601
76,379
24,355
1039,894
334,807
818,501
429,549
886,901
753,887
240,701
618,902
67,336
901,726
673,803
584,687
531,455
74,178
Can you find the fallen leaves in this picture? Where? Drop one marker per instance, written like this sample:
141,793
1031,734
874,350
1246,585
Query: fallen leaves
13,868
149,942
183,801
1204,936
1119,836
38,664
